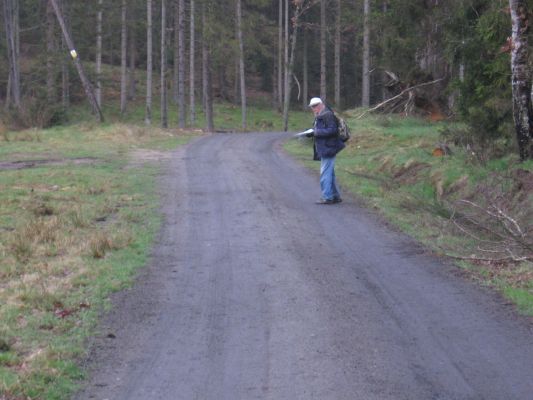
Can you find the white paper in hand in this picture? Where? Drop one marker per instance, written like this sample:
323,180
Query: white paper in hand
302,134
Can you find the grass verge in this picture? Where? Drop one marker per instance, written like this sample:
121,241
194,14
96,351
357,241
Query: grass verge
478,213
71,232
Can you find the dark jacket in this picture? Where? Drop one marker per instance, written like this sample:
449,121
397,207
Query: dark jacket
327,140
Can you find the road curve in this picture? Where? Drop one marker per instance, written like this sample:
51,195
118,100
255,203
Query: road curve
255,292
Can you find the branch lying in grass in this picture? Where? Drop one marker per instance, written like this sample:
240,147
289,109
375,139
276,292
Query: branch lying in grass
408,90
492,260
497,213
512,230
495,226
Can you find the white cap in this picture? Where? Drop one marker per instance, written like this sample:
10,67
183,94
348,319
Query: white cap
314,101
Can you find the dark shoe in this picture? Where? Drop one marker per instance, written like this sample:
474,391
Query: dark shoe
337,200
325,201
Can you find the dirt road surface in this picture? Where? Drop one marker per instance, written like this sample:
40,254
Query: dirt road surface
255,292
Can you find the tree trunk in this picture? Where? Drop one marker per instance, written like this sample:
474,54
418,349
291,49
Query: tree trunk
280,54
305,67
365,99
223,86
241,64
323,49
89,92
274,99
206,76
132,83
182,116
296,21
65,80
236,83
50,55
192,99
123,58
149,63
99,19
65,75
7,103
338,54
522,111
429,54
164,101
286,76
175,60
11,27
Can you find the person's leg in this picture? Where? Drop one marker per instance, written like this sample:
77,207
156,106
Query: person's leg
327,168
335,188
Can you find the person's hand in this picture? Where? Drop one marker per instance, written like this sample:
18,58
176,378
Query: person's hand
310,133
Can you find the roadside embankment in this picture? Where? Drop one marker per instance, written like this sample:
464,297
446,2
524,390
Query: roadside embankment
460,204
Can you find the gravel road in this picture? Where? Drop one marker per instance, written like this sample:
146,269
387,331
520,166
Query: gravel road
255,292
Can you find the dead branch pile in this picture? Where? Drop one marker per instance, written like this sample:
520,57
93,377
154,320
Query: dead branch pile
409,99
500,225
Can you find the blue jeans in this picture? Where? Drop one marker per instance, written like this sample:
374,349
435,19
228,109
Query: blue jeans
327,179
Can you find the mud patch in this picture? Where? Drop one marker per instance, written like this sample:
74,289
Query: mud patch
23,164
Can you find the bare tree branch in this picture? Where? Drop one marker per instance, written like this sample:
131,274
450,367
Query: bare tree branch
409,89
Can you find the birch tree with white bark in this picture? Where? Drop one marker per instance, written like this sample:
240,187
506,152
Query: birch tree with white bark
521,78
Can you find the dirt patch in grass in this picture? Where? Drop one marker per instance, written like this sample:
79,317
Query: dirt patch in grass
147,156
23,164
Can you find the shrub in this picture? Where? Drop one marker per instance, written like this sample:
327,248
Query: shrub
35,113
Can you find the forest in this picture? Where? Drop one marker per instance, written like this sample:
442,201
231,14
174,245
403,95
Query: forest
466,60
110,109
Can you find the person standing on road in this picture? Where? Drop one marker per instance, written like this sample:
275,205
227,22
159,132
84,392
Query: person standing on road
327,144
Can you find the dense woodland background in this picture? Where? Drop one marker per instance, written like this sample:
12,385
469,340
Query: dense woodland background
441,59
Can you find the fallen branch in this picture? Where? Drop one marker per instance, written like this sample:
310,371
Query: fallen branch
514,232
471,234
409,89
514,244
298,83
474,258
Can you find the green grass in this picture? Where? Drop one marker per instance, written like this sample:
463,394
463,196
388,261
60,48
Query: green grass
523,298
69,236
390,166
